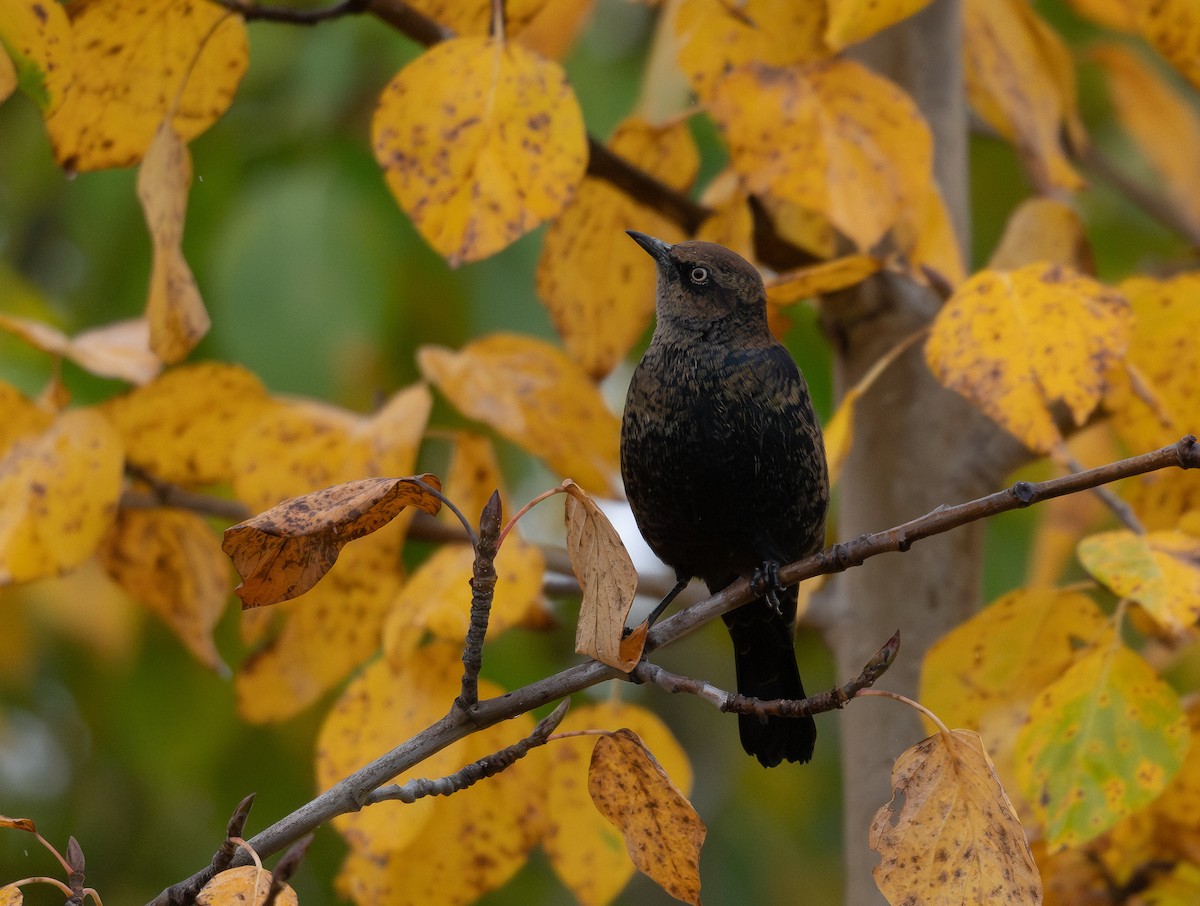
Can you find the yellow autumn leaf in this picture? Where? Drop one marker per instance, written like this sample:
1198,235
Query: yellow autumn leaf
851,21
474,17
1043,230
171,561
731,223
1014,343
1102,741
607,578
37,38
1115,14
585,850
926,236
1181,799
1163,124
480,142
590,275
19,417
1172,27
182,426
1160,571
1166,321
8,76
471,477
537,397
831,137
178,319
954,838
823,277
436,599
1020,80
131,59
117,350
58,495
246,884
325,633
715,37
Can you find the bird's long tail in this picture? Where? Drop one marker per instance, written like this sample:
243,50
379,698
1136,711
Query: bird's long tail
765,660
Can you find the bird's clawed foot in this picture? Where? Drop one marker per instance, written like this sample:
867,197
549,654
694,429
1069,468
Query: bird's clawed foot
765,582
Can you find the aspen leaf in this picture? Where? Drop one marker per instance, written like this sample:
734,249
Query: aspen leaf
246,884
1173,29
823,277
584,848
472,475
1102,741
1160,571
590,276
731,223
1043,230
181,426
480,142
1014,343
130,62
58,496
1020,80
170,561
925,235
118,350
324,635
1179,801
20,417
832,137
37,37
663,834
285,551
715,37
955,838
178,319
537,397
436,599
1162,123
607,577
851,21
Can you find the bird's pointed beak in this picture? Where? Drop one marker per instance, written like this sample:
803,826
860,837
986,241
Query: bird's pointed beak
659,250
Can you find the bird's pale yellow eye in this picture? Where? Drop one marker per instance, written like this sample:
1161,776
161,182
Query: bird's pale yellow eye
699,275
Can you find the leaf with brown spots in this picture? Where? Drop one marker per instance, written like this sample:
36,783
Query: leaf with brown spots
663,834
243,886
607,577
537,397
1171,27
21,824
37,36
1160,571
480,142
954,838
1102,741
178,319
131,59
1015,343
285,551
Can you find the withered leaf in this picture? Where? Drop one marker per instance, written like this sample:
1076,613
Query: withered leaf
285,551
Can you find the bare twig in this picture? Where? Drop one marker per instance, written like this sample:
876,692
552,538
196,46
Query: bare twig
253,11
476,771
286,867
159,493
1122,510
483,586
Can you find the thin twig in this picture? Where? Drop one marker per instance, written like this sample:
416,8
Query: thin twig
1119,507
476,771
159,493
286,867
483,587
253,11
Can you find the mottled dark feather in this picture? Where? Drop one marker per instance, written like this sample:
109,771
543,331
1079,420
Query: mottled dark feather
724,464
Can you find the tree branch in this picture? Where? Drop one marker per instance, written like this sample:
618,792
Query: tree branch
253,11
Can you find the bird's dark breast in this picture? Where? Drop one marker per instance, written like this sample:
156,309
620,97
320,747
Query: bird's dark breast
722,459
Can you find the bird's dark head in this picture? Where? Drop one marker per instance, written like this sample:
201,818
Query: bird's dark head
702,284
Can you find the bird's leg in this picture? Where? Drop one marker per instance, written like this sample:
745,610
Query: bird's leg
765,582
665,602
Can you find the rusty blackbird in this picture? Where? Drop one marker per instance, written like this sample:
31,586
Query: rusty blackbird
724,466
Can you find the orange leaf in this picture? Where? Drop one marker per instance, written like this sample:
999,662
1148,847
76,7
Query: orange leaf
608,580
1163,123
955,837
170,561
178,320
832,137
130,60
715,36
824,277
38,37
1015,342
589,274
21,824
118,350
58,496
851,21
663,834
537,397
480,142
285,551
1020,80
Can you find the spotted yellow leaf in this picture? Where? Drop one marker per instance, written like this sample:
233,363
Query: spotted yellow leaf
851,21
131,62
1014,343
1172,27
480,142
832,137
1043,230
37,37
1161,571
1102,741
